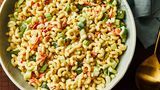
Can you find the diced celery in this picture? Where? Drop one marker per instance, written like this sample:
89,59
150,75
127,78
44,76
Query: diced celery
111,70
123,34
67,7
22,28
81,25
43,69
85,42
48,16
83,35
96,71
117,22
28,21
113,46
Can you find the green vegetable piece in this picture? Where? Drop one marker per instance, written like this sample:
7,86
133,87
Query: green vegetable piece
111,70
123,34
106,72
23,28
86,42
44,85
32,58
28,21
80,7
54,44
96,71
117,22
79,70
80,64
120,14
48,16
105,17
20,2
82,19
67,7
15,52
113,46
122,24
43,69
61,35
81,25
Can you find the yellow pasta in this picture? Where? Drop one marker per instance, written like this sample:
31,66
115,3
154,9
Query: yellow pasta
66,44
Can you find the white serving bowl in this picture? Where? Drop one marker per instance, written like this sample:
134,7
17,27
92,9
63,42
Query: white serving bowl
15,75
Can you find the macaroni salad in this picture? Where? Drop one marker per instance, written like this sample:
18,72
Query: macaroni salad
67,44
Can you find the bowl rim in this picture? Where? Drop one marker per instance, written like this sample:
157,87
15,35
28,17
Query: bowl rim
2,64
133,48
116,79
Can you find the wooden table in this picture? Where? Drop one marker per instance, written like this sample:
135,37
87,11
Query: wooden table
127,83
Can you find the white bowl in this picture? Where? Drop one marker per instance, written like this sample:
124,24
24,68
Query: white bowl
15,75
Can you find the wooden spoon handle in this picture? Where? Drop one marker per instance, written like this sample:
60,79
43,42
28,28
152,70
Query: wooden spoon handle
157,43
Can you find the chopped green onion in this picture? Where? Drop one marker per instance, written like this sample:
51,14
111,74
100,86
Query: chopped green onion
80,7
44,85
122,24
32,58
67,7
23,28
105,17
15,52
86,42
54,44
43,69
120,14
79,70
48,16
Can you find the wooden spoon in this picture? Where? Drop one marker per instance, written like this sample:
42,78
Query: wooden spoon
148,73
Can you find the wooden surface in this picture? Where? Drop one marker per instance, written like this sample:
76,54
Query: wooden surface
127,83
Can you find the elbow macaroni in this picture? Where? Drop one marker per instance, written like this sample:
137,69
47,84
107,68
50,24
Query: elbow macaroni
49,47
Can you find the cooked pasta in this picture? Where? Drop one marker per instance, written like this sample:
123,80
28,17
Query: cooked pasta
67,44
